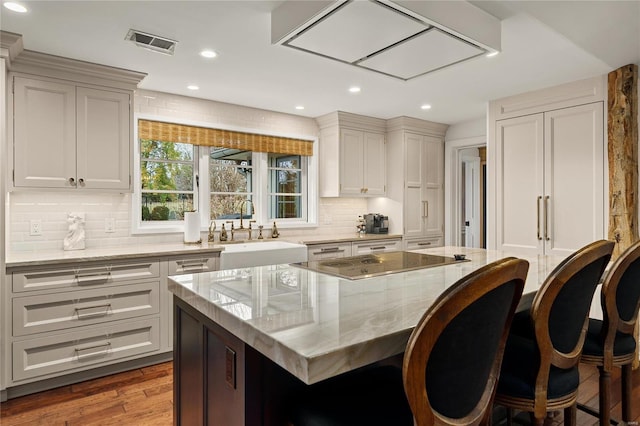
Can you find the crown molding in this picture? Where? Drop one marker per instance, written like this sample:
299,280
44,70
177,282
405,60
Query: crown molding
10,45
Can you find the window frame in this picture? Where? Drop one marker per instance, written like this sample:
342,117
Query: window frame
201,159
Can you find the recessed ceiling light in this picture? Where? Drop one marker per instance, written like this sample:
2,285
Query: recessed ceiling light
208,54
15,7
192,87
426,106
492,54
299,107
354,89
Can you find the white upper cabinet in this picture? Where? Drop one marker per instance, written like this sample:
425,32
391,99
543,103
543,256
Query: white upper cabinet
549,179
72,124
352,156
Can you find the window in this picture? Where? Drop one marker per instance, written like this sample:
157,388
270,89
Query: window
224,175
231,183
167,176
286,196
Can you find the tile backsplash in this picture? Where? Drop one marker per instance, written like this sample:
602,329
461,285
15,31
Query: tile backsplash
336,216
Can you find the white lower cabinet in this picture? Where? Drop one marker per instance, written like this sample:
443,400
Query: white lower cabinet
376,246
423,243
84,348
328,251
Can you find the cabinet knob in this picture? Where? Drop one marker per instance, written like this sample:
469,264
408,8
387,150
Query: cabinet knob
72,181
81,181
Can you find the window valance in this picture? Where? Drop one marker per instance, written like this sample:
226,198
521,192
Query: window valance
172,132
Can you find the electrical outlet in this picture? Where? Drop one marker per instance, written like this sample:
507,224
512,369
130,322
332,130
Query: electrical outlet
109,225
35,227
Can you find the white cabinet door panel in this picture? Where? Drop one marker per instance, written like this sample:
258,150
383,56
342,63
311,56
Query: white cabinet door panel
374,172
103,139
351,161
44,133
574,157
519,158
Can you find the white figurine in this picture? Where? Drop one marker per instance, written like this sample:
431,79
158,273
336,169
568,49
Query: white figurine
74,240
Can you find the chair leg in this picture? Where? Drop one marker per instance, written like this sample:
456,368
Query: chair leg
570,415
605,396
625,379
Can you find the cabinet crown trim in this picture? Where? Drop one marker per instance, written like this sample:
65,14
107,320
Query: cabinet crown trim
37,63
416,125
355,121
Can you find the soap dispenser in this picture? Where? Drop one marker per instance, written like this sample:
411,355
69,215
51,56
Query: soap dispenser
274,231
223,233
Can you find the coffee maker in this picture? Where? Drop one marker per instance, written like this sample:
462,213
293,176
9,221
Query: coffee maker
375,223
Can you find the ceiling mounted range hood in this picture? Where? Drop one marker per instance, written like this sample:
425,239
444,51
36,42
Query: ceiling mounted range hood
401,39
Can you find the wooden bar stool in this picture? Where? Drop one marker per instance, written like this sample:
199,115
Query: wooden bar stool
540,366
611,342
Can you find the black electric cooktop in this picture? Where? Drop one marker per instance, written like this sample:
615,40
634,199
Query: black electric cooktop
372,265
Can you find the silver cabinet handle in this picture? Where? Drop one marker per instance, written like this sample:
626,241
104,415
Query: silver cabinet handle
538,216
193,265
98,277
72,181
546,218
425,209
90,351
93,311
329,249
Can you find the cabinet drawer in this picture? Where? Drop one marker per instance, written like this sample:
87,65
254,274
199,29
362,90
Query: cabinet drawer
424,243
328,251
49,312
84,276
84,348
376,246
191,264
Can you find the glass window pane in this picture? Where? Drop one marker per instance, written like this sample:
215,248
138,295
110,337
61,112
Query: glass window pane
162,206
285,206
166,176
230,156
286,161
226,177
226,206
166,150
286,181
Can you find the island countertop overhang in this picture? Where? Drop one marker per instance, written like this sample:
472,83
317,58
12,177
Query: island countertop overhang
317,326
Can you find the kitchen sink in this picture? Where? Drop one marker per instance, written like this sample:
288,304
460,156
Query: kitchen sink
261,252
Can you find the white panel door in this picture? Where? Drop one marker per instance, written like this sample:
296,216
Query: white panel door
433,188
44,139
374,167
574,178
472,201
519,184
104,149
351,162
414,221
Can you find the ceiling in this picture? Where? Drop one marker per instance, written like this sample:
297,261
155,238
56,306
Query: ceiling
544,43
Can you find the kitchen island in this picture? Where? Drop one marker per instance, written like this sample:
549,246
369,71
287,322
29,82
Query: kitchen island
245,340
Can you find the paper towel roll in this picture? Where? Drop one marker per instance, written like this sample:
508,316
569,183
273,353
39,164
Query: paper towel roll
191,227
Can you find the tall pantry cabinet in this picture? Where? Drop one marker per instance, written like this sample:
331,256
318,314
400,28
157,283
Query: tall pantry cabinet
415,153
548,151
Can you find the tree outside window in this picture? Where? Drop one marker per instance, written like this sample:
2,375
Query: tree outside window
231,183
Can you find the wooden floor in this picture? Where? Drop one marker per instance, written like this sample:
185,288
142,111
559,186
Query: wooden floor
145,397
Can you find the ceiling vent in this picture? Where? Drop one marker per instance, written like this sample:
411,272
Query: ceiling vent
152,42
401,39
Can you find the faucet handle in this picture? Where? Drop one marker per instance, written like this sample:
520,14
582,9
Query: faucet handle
231,222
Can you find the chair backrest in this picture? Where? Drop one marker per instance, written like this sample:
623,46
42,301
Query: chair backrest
621,298
453,357
560,309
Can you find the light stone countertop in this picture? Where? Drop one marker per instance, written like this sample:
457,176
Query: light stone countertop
317,326
61,257
342,238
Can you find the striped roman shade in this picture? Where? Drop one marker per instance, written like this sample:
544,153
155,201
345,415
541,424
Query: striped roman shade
172,132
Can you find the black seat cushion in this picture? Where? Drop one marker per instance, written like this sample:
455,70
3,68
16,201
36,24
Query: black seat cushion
374,396
594,344
520,367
